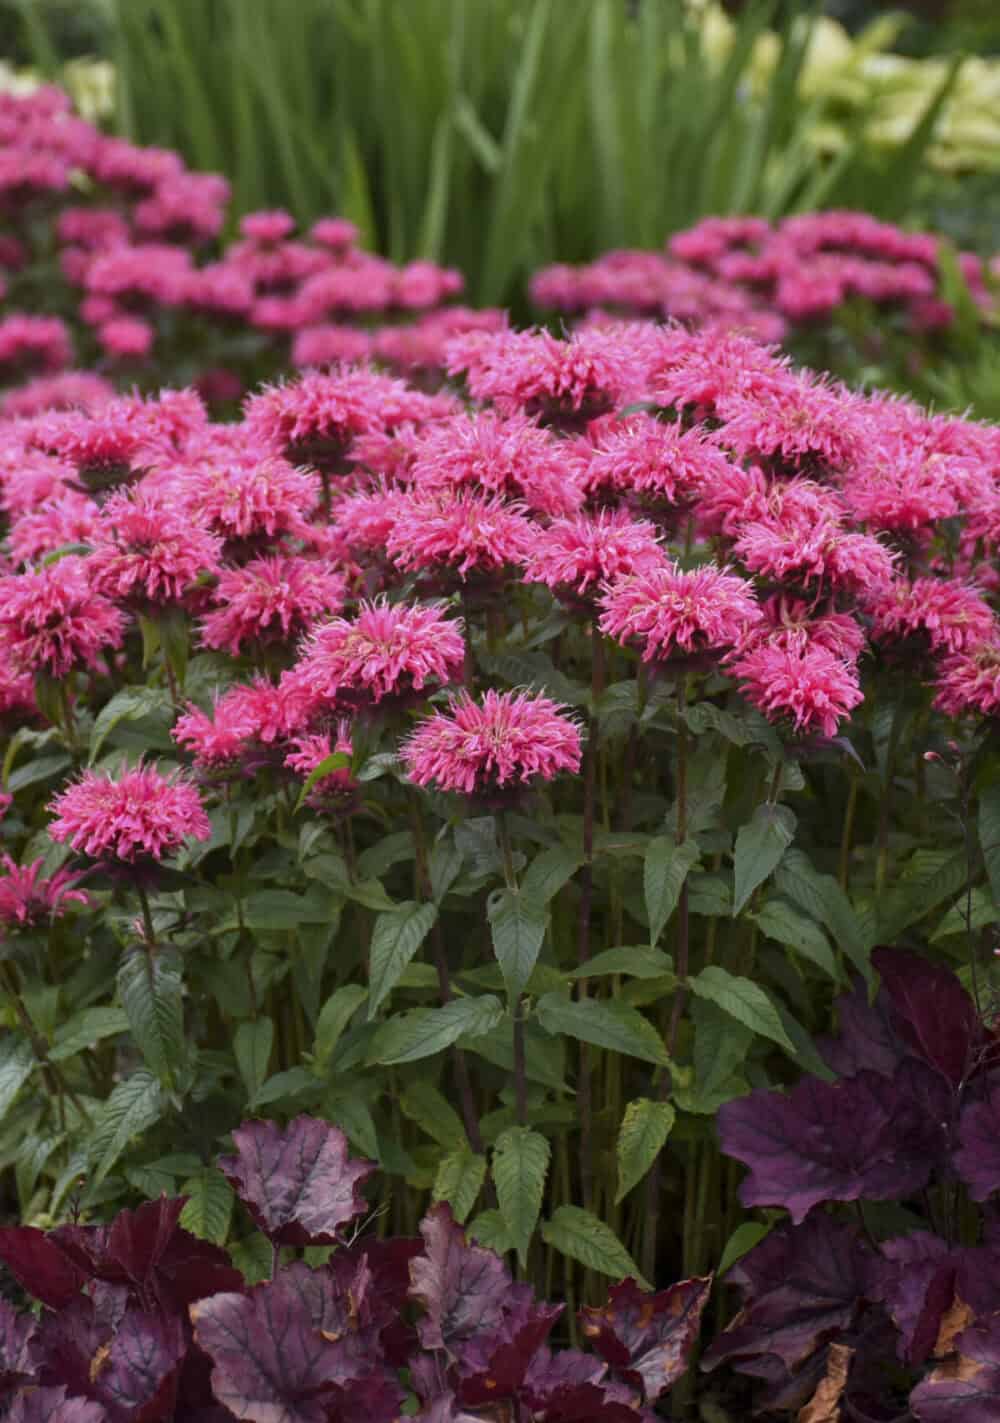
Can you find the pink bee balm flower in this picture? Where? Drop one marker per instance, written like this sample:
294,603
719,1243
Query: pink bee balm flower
148,551
535,373
365,520
70,390
825,554
663,462
141,815
388,650
668,612
511,457
68,519
804,683
335,793
462,531
797,420
271,599
52,621
28,897
970,682
484,746
575,557
952,616
243,499
248,716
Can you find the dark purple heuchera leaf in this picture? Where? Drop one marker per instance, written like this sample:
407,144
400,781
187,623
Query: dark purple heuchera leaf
493,1366
977,1159
446,1409
131,1372
18,1354
801,1285
867,1040
917,1287
39,1265
463,1288
271,1362
299,1184
648,1338
866,1136
51,1405
965,1388
570,1387
931,1012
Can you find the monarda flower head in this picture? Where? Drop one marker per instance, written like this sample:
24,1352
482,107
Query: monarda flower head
511,457
387,651
577,556
669,613
458,533
797,421
29,897
661,463
826,555
69,390
249,503
335,793
245,725
147,551
968,683
141,815
70,518
34,344
271,599
948,616
505,741
802,683
52,620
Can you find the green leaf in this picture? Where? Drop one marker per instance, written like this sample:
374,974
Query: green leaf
664,871
252,1045
283,909
931,877
459,1179
132,1108
989,835
780,921
740,1243
760,845
548,872
16,1062
209,1208
822,897
584,1238
518,925
129,705
85,1029
491,1230
42,768
743,1000
444,868
151,991
336,761
520,1165
336,1013
430,1109
425,1031
638,961
641,1137
396,937
295,1084
603,1024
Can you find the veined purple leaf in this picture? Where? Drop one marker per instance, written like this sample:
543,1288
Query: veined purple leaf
299,1183
51,1405
977,1159
648,1338
867,1040
18,1360
446,1409
130,1370
931,1011
37,1263
462,1287
801,1285
966,1386
570,1387
865,1136
917,1287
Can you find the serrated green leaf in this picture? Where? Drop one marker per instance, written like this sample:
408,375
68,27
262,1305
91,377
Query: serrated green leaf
209,1209
459,1179
132,1108
336,1013
637,961
444,868
822,897
664,871
296,1084
760,846
780,921
425,1031
548,872
517,924
150,987
603,1024
931,877
584,1238
520,1165
428,1107
85,1029
641,1137
396,937
491,1230
42,768
252,1045
129,705
988,824
743,1000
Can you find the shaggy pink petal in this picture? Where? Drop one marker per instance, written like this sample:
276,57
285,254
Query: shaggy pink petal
70,518
52,620
245,499
969,682
800,419
666,611
28,897
142,814
271,598
461,531
805,684
148,550
953,616
246,715
70,390
664,462
507,737
825,553
579,555
533,372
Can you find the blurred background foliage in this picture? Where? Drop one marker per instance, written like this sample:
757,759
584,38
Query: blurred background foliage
500,135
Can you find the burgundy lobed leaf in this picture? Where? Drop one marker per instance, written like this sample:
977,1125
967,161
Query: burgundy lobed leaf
917,1287
863,1137
931,1012
462,1287
571,1387
802,1285
40,1266
52,1405
867,1039
977,1159
648,1338
299,1183
131,1371
964,1388
446,1409
494,1367
18,1349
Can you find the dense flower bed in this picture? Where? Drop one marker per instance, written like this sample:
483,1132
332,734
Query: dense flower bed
520,763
